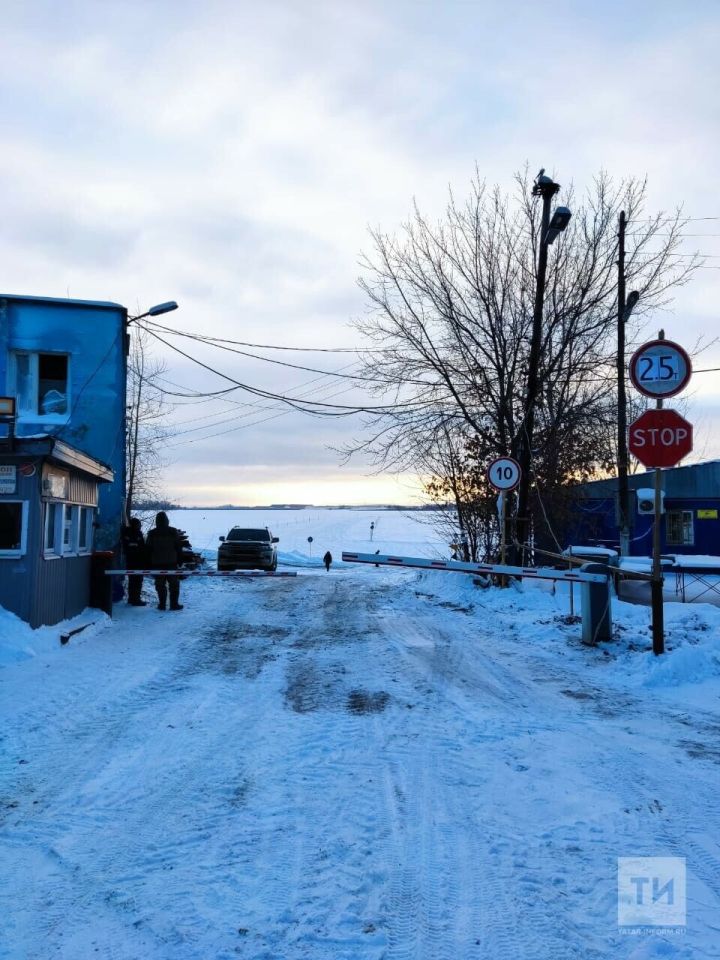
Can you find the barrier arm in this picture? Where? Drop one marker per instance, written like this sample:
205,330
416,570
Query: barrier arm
238,574
484,569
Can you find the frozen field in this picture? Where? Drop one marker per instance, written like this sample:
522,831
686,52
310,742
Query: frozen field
414,533
366,764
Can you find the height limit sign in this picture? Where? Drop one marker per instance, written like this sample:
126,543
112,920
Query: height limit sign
504,474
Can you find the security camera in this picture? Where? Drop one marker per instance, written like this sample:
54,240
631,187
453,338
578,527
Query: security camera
560,219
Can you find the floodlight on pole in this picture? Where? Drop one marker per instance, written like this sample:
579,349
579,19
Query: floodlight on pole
560,220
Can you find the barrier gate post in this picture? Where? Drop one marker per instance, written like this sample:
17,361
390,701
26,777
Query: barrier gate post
596,606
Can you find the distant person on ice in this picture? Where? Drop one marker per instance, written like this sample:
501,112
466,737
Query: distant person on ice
327,560
134,544
164,549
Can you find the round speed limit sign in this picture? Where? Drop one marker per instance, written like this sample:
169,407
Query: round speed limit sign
660,369
504,474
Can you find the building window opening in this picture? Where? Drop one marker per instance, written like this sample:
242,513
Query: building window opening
51,537
52,383
41,384
69,525
11,526
679,528
83,530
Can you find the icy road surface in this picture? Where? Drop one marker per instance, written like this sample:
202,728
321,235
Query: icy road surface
350,765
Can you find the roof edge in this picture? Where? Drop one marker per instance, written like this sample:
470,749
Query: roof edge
65,301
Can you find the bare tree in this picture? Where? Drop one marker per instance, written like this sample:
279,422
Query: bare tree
451,307
147,427
453,476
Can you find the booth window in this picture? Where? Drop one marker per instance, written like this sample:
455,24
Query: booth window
69,528
12,527
53,514
42,384
679,528
85,529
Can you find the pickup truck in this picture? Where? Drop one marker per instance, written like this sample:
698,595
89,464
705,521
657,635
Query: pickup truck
247,549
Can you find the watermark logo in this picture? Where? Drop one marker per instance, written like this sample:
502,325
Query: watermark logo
651,892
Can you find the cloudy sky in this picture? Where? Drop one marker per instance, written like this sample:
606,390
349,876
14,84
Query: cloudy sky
232,155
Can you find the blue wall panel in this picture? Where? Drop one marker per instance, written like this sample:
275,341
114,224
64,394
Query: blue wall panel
93,336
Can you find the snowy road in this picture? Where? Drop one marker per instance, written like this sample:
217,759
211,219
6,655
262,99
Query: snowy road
348,766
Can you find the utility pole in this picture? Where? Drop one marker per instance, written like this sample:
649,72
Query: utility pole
624,309
622,397
546,188
656,586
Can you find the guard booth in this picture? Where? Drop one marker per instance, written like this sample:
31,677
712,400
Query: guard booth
48,508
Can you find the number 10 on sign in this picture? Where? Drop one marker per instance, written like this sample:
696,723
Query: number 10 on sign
504,474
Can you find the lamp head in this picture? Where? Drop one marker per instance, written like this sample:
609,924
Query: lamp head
162,308
560,220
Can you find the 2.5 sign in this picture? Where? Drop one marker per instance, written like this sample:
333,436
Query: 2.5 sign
504,474
660,369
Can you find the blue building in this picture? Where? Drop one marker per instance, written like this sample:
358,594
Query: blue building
49,495
65,363
691,517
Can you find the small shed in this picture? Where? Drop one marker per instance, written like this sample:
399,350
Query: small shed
691,511
48,512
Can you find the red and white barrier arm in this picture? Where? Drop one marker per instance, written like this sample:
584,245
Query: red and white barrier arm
238,574
459,566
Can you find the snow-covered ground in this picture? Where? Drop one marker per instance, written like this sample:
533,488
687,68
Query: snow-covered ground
366,763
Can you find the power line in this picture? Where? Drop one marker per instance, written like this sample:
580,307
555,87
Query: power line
680,236
264,346
281,363
236,403
663,253
679,219
242,426
256,409
331,409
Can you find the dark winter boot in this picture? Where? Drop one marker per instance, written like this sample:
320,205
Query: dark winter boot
176,606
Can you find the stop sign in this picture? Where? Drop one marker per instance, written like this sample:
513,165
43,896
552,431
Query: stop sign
660,438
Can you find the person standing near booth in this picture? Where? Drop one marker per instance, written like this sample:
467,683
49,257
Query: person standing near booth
164,548
134,547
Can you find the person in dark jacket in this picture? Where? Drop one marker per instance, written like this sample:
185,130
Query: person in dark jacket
134,546
164,550
327,560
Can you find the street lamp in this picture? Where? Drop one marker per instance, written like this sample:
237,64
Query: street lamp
546,188
155,311
560,219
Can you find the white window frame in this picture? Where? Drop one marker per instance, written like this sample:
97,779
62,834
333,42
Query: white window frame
51,553
71,548
79,514
86,522
23,530
687,524
35,416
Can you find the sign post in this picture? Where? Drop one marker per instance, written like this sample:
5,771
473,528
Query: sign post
659,438
504,475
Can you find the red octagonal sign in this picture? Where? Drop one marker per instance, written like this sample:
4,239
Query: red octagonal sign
660,438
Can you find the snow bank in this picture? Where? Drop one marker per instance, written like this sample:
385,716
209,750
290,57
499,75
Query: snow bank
536,616
18,641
